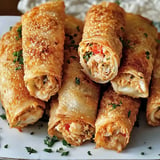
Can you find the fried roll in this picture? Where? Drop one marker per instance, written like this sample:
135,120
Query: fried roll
101,49
134,74
153,104
116,118
21,109
75,116
43,43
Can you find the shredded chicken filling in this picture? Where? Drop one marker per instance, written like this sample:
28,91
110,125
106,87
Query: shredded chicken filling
76,132
44,85
98,60
130,81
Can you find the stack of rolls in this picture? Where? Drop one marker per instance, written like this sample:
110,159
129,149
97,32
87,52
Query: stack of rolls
56,58
73,114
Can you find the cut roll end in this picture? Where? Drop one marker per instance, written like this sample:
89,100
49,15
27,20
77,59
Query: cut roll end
131,85
97,62
111,137
74,133
153,118
26,117
43,87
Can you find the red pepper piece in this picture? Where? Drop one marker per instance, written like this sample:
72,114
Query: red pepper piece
67,126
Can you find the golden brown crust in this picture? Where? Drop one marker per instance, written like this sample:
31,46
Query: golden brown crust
21,109
43,39
115,120
78,96
153,104
104,25
138,57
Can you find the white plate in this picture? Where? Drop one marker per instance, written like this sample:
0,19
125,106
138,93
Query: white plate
141,139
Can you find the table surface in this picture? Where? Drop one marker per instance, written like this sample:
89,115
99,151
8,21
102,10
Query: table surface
9,7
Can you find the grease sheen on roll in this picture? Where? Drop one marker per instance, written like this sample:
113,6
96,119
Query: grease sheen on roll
21,109
101,49
134,74
75,116
43,40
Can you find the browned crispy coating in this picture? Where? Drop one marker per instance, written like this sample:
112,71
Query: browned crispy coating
104,25
43,40
115,120
21,109
134,74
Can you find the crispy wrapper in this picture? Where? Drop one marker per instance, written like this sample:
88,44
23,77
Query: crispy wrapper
75,116
116,117
43,43
101,49
134,74
153,104
21,109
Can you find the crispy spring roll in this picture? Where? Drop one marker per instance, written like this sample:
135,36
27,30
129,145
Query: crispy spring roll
116,118
43,43
153,104
101,49
75,116
21,109
134,74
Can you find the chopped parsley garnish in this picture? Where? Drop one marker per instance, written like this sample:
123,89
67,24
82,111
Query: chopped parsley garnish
3,116
150,147
72,41
142,153
74,57
49,150
18,58
78,29
131,77
50,141
114,106
87,55
70,36
30,150
146,35
129,113
77,80
147,54
122,29
158,41
125,42
18,68
19,30
117,2
10,28
62,151
6,146
75,35
32,133
65,143
65,153
89,153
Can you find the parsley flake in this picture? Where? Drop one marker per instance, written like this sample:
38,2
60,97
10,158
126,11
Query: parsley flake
30,150
87,55
117,2
129,113
146,35
89,153
77,80
65,143
19,30
65,153
3,116
50,141
78,29
49,150
6,146
147,54
114,106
